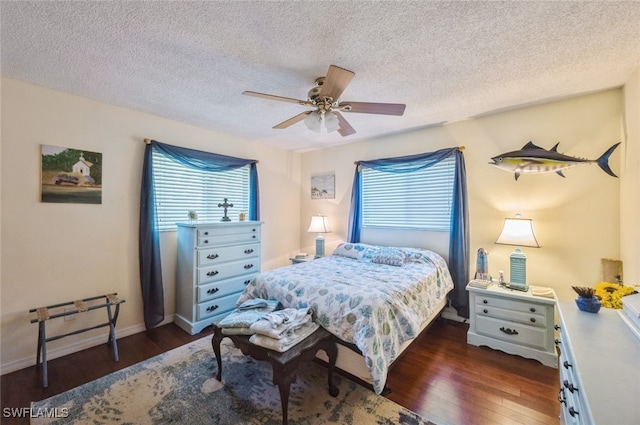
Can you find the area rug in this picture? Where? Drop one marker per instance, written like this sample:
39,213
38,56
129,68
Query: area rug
179,387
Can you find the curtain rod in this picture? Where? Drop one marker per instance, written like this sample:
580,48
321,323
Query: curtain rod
460,148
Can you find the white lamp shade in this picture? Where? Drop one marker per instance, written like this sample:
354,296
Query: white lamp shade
519,232
319,224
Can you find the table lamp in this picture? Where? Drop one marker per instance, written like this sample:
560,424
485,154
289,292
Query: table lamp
519,232
319,224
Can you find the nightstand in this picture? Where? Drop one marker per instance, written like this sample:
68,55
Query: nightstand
295,260
512,321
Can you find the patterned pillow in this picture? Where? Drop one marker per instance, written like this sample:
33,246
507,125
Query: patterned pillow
389,256
351,250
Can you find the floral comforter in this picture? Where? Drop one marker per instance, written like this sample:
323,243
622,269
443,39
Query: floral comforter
362,298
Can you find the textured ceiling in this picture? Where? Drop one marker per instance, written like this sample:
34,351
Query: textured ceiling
447,61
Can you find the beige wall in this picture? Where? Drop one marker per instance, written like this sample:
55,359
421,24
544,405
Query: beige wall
576,218
54,253
629,192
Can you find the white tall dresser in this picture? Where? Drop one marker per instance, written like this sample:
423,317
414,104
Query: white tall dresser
215,263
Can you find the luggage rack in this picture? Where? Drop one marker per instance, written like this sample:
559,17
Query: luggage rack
44,314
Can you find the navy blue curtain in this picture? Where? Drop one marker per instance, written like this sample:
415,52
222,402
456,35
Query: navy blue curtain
149,243
459,234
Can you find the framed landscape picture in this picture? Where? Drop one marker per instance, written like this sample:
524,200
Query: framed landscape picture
323,186
71,175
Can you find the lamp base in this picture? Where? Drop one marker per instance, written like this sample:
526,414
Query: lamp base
518,271
320,246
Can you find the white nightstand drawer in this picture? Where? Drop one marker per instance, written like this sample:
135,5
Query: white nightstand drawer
532,319
208,257
511,332
222,288
511,304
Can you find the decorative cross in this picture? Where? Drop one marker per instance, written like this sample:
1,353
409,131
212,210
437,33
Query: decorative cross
225,205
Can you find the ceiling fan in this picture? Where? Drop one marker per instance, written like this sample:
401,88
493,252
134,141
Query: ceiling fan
325,99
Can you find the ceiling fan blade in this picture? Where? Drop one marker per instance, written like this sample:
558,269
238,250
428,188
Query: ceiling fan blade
293,120
345,128
274,97
336,81
373,108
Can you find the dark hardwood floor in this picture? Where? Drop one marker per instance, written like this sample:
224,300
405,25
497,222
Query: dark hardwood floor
440,377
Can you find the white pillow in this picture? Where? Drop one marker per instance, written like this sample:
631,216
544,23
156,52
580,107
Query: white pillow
351,250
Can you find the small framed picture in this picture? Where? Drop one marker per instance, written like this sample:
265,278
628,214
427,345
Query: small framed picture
323,186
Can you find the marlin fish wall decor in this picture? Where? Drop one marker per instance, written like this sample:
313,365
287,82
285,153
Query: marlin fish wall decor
532,159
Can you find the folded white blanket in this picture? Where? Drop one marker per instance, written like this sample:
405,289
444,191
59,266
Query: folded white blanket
279,324
283,344
237,331
247,313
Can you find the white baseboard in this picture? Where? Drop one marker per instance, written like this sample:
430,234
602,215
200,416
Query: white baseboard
77,346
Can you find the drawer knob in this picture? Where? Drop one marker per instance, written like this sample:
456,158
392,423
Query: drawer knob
206,241
212,256
509,331
561,396
557,341
213,290
566,364
212,307
248,266
206,233
248,251
533,320
532,309
569,386
485,311
248,281
573,412
485,302
556,327
254,236
253,230
212,273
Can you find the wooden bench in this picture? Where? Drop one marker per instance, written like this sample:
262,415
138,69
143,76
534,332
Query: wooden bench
43,314
284,364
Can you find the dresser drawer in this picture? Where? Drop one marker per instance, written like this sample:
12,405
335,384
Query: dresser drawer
504,330
227,270
511,304
221,236
222,288
217,306
215,255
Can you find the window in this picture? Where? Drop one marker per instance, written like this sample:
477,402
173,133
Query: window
419,200
179,189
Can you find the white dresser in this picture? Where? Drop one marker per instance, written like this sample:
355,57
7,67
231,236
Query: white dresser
515,322
599,368
215,263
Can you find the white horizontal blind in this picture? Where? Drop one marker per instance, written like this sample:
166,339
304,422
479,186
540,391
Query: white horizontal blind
418,200
179,189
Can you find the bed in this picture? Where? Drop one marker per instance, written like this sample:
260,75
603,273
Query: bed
375,299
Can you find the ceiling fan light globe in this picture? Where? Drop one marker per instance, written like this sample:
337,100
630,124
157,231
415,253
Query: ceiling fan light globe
331,122
313,121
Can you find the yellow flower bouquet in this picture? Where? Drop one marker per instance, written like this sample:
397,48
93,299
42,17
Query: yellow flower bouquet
611,294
